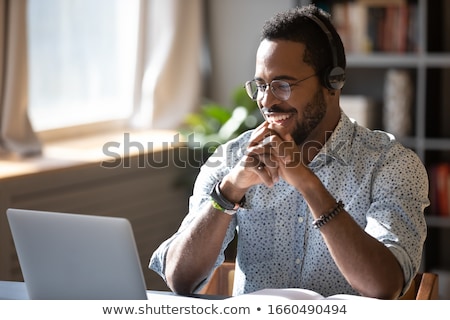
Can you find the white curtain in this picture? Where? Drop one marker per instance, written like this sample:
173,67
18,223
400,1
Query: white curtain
168,79
16,133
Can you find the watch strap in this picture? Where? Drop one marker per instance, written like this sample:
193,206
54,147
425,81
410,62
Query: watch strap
221,203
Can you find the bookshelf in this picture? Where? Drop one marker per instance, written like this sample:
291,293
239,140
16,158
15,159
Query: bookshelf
427,61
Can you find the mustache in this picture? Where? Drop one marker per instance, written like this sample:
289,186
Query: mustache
276,109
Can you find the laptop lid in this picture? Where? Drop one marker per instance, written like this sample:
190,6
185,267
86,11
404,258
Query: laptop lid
76,257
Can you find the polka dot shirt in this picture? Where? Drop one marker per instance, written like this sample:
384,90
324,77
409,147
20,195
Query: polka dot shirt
383,185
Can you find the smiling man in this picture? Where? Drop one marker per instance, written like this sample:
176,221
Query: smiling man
318,201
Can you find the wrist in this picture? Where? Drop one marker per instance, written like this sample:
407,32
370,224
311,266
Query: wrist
220,202
230,191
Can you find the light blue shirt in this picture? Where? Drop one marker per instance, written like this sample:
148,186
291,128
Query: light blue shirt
383,185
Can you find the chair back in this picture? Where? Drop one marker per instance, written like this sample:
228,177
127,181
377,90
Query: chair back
425,286
221,282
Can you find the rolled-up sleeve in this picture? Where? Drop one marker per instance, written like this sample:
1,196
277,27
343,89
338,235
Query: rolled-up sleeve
396,215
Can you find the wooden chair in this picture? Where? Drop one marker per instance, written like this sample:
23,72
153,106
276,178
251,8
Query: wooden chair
423,287
221,282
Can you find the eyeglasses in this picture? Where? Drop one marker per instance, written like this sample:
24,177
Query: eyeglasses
281,89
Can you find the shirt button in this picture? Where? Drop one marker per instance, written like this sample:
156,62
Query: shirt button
300,219
297,261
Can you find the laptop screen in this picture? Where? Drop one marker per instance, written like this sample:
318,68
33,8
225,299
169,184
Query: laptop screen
74,256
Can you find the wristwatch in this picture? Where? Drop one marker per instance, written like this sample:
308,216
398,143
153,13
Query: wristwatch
221,203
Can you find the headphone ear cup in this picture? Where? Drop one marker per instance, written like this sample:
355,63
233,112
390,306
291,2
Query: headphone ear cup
334,78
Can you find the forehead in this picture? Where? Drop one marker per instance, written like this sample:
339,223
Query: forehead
280,57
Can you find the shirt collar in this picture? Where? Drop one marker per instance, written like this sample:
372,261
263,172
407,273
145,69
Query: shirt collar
338,146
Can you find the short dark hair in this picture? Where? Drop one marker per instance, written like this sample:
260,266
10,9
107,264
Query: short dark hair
295,25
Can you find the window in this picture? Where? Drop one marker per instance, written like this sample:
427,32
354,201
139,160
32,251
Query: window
82,60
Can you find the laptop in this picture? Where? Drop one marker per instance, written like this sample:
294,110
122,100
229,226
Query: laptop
67,256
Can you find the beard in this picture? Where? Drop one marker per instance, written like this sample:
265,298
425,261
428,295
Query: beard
312,115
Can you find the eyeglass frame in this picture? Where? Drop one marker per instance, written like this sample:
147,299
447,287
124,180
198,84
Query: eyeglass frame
266,85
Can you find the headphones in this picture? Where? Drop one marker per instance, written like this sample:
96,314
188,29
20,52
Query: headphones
333,77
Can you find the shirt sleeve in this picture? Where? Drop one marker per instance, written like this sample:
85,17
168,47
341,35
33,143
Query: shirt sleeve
396,215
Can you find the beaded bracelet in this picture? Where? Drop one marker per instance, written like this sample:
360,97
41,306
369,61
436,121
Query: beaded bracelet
323,219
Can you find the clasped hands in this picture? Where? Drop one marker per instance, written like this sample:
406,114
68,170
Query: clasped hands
270,154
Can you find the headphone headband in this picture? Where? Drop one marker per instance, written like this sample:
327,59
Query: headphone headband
334,76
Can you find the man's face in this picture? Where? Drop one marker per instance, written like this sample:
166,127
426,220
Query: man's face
302,113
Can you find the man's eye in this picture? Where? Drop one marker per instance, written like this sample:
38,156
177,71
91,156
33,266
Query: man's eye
283,86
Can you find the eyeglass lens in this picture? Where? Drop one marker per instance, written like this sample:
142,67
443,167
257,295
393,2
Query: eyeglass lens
280,89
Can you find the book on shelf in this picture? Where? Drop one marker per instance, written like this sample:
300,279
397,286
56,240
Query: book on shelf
295,294
376,25
439,176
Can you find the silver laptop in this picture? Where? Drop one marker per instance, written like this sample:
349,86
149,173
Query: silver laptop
76,257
